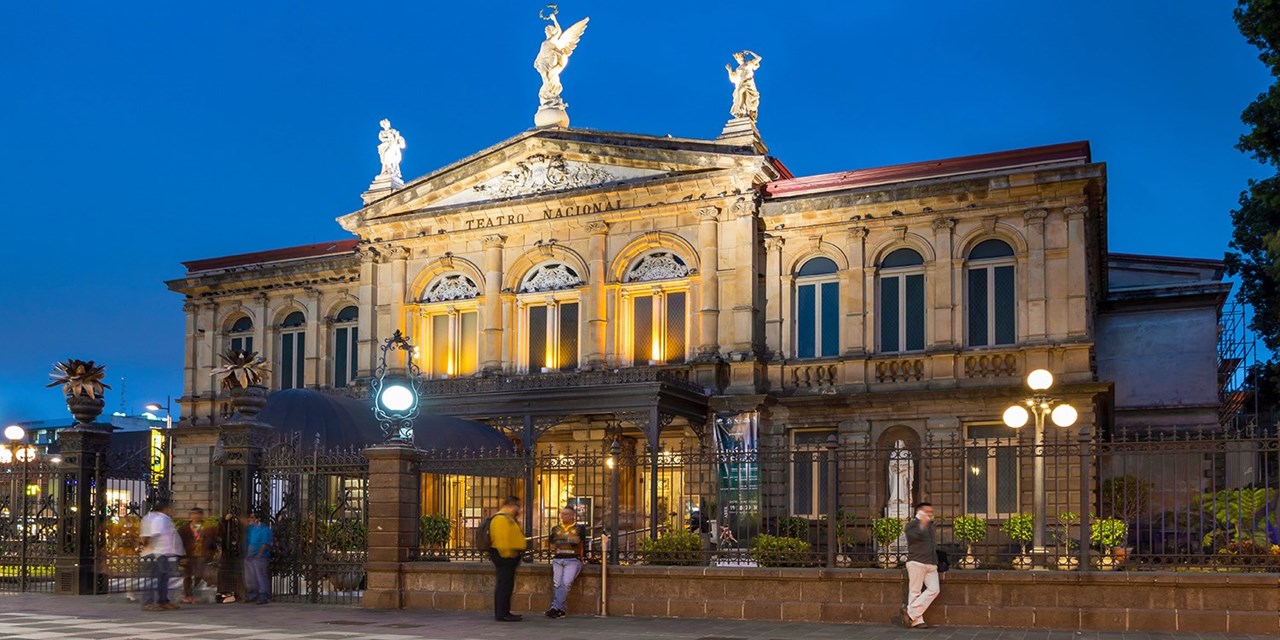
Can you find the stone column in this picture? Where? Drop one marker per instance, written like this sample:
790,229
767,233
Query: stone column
596,306
491,307
399,258
263,332
191,357
394,494
742,288
81,472
855,294
367,340
1077,260
775,341
1036,321
205,385
315,341
944,266
709,314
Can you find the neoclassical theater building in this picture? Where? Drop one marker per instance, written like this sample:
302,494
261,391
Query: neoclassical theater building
567,282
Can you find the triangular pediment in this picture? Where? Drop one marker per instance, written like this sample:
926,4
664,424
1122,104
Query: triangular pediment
547,162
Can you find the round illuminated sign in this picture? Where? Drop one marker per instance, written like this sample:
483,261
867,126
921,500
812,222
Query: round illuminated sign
396,398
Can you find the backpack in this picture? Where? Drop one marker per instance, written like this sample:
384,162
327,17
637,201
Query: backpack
483,541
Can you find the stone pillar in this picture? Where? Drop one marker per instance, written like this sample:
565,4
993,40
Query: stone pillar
367,340
399,257
1036,321
746,374
944,268
775,341
491,306
709,314
316,341
855,294
191,354
205,386
81,473
243,440
1077,259
263,332
394,493
596,306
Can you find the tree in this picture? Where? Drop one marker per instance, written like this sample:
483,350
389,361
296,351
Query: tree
1255,240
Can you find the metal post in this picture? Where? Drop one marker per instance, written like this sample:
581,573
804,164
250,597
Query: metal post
832,443
168,445
1037,542
604,579
26,524
1086,480
612,549
529,480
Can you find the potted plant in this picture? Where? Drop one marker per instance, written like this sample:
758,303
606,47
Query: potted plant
242,374
844,524
1021,529
345,539
1062,533
886,532
969,529
433,532
1105,534
82,384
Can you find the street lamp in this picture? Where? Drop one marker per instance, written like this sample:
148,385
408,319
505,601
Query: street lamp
1039,406
395,395
168,439
15,434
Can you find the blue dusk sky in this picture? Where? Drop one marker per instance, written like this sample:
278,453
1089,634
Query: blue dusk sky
136,135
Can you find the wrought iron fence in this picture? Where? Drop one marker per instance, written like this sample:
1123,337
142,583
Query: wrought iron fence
127,484
316,502
1204,500
29,497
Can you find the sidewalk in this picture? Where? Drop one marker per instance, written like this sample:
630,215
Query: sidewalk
49,617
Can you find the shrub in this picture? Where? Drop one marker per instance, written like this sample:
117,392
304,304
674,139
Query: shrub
1020,528
780,551
433,530
970,529
793,527
844,529
344,534
1063,531
1106,533
676,547
886,530
1125,497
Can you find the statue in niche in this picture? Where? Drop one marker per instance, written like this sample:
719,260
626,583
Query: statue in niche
553,56
901,472
746,98
390,150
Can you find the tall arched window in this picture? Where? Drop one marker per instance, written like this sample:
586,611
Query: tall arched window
451,326
293,351
551,318
345,354
991,308
902,302
659,313
817,309
240,335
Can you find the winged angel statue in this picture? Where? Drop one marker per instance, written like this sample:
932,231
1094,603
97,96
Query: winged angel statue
553,56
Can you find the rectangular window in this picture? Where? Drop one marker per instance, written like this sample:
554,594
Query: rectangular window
902,313
454,344
441,346
807,321
468,341
830,319
991,471
890,313
1005,327
568,350
810,479
978,312
537,338
673,348
914,313
659,324
643,348
242,343
991,306
345,352
818,320
292,359
553,337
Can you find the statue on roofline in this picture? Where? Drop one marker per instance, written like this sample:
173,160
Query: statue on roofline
746,98
390,150
553,57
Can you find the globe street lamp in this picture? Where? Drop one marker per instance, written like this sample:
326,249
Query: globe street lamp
1039,406
395,395
15,435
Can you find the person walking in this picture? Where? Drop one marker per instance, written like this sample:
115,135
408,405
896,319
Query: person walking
257,560
506,544
200,543
922,567
568,540
161,548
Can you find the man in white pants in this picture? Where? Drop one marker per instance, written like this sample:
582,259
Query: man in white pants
922,567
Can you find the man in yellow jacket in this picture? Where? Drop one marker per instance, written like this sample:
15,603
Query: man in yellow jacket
508,543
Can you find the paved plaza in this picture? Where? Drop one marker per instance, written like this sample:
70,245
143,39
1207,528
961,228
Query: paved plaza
49,617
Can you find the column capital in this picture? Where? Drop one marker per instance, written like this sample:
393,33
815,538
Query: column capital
1035,216
709,213
742,208
858,233
367,253
774,243
397,252
1075,211
940,224
493,241
598,227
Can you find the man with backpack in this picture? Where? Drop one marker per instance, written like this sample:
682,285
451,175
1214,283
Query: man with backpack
502,538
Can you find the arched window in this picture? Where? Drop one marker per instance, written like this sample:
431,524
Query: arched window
659,314
345,339
293,351
901,305
550,321
451,327
240,335
817,309
991,313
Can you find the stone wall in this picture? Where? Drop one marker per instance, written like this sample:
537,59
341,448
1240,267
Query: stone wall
1094,601
193,470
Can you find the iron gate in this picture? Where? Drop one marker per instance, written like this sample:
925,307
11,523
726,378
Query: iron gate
127,485
29,496
317,504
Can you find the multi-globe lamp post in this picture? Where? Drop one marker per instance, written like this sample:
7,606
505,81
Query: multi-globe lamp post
1039,406
15,434
395,393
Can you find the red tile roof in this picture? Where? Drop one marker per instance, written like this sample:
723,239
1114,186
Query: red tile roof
274,255
1070,151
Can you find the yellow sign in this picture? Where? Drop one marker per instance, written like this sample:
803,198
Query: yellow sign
159,459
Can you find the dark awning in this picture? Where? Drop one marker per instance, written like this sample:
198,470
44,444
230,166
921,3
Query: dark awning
338,421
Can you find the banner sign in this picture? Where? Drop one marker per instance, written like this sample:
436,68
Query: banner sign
736,440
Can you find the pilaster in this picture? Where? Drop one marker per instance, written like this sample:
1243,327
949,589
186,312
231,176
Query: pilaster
943,271
1078,311
709,314
595,304
367,341
491,306
855,294
1037,326
776,340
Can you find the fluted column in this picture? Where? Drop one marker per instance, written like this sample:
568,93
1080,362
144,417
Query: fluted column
855,294
595,304
1036,322
491,307
709,313
774,334
944,267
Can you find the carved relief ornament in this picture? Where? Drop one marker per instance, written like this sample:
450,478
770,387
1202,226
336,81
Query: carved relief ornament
543,173
550,277
660,265
451,287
